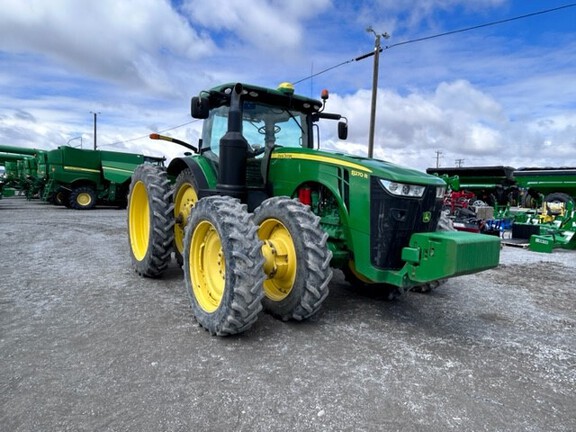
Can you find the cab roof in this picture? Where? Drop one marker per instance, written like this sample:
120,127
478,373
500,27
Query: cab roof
220,95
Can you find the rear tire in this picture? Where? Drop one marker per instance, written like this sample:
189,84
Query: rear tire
82,198
150,220
185,198
223,266
297,258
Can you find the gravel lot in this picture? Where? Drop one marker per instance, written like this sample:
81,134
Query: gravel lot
87,345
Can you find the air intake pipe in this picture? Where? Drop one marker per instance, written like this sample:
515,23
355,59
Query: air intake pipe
233,151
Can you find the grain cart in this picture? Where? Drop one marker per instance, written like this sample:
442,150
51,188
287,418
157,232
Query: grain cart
547,184
259,214
491,184
82,178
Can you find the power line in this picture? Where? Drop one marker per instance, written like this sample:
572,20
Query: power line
364,56
146,136
448,33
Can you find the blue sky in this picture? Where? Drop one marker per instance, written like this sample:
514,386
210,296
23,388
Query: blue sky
498,95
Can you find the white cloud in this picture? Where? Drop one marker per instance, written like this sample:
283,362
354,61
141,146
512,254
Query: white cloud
122,41
395,16
457,119
484,97
270,25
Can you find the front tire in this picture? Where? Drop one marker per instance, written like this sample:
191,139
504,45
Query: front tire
297,260
223,266
150,220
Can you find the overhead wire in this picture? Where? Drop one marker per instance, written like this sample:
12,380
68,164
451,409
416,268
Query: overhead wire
387,47
146,136
448,33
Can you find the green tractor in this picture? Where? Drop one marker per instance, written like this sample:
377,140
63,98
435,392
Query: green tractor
258,215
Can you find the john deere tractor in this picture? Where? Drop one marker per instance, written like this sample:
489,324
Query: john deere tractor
258,215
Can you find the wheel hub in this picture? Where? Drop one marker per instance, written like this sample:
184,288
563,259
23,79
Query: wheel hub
279,259
207,266
84,199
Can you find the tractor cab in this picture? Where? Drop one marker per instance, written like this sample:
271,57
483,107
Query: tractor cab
244,124
263,126
269,118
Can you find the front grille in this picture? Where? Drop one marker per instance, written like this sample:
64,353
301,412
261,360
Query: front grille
394,219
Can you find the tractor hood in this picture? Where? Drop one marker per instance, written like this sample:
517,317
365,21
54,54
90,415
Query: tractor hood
373,167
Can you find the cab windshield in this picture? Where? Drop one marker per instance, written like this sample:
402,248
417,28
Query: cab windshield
262,126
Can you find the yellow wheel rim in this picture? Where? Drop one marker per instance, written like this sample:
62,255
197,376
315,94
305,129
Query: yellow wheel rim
207,266
84,199
139,221
279,259
186,198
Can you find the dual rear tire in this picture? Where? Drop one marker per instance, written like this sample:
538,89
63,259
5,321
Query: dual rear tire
235,263
297,260
223,266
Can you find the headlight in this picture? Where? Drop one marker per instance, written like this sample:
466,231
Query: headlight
403,189
440,191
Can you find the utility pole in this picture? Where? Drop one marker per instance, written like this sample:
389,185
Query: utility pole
95,115
438,154
459,162
377,50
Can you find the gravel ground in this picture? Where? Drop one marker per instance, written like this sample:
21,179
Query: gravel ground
87,345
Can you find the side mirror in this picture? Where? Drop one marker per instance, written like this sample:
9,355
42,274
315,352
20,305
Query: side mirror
342,130
199,108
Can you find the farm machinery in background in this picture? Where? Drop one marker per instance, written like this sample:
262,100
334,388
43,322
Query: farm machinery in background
478,198
20,170
533,207
9,185
259,214
553,223
76,178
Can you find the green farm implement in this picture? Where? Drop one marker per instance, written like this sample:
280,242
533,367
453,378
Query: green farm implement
82,178
76,178
259,215
491,184
21,169
552,226
547,184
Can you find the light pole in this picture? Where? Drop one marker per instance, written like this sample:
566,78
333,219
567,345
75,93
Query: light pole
95,115
377,50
